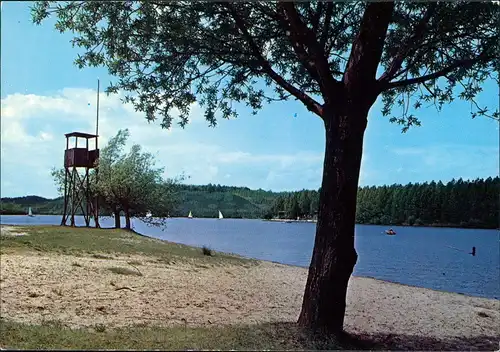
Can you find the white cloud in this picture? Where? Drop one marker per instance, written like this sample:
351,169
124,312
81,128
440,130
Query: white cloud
32,138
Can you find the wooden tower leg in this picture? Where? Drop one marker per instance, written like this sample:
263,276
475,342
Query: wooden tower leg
73,196
65,207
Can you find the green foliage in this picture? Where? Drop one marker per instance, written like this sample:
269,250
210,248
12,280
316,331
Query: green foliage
459,203
39,205
11,209
129,182
169,54
204,201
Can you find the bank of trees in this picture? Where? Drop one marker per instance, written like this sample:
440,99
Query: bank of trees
457,203
129,183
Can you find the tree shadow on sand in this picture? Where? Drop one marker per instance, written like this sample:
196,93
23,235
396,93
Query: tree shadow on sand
301,339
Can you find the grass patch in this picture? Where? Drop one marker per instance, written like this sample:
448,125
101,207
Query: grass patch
124,271
50,335
90,241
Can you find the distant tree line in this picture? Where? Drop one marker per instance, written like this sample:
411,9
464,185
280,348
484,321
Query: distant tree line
293,205
458,203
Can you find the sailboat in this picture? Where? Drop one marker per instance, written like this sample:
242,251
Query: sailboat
190,215
220,215
30,213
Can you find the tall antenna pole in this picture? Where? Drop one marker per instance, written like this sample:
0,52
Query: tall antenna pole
97,116
96,217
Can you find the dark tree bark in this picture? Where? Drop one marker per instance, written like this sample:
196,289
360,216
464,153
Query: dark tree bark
117,219
345,115
127,220
334,255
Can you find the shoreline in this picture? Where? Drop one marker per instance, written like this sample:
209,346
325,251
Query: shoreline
267,261
78,290
432,226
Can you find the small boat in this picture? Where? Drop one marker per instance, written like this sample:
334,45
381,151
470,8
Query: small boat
148,214
190,216
30,212
220,215
390,232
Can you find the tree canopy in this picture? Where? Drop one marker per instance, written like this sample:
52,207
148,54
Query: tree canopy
169,54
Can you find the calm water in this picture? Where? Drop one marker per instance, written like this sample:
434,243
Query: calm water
426,257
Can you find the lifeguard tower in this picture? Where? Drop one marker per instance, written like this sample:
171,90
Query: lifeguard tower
77,188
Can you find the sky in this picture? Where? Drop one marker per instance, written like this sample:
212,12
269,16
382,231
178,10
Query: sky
44,95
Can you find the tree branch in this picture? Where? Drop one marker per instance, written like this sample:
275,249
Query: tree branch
310,103
315,17
465,63
299,48
367,49
340,27
303,36
413,40
326,25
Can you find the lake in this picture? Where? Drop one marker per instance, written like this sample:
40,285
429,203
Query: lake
435,258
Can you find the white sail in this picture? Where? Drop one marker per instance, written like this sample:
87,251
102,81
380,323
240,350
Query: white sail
220,215
190,215
30,213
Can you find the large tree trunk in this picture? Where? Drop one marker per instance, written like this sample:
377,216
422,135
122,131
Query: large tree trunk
117,219
128,225
334,255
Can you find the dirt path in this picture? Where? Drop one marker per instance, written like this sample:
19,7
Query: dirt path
82,291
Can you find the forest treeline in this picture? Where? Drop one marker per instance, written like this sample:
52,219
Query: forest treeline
457,203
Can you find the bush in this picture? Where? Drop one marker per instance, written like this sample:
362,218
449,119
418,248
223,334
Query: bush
207,251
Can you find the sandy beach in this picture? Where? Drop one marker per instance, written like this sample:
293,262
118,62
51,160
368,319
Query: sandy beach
81,291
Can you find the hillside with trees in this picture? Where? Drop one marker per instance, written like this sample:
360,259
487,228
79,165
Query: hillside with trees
457,203
204,201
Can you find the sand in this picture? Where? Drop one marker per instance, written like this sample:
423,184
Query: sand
12,231
82,291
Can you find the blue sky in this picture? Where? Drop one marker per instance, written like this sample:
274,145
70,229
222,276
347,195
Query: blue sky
43,96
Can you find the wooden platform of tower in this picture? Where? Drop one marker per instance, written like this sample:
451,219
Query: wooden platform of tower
77,193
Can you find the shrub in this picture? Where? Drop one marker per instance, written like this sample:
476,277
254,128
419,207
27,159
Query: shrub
207,251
